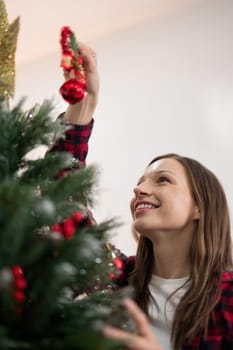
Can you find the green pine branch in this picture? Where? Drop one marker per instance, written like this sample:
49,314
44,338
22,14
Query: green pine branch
56,270
22,132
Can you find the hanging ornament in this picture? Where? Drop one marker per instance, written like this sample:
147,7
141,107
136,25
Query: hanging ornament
68,226
117,263
73,90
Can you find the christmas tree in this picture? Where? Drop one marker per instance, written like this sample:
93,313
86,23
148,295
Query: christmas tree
55,289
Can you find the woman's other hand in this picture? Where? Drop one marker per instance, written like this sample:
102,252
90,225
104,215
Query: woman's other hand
144,339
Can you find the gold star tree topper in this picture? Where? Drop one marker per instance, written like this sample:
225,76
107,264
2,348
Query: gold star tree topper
8,42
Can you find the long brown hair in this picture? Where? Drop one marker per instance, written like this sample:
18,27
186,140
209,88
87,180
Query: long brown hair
210,255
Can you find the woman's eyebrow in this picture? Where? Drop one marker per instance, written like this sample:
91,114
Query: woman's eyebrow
165,171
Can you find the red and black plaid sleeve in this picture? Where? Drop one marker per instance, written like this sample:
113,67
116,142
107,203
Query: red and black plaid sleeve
75,142
220,328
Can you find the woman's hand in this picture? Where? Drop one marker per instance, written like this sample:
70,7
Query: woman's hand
144,340
82,112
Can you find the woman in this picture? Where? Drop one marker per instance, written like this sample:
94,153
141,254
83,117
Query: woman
182,276
182,271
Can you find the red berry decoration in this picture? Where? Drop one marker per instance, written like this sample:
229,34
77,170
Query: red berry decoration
17,271
72,90
20,283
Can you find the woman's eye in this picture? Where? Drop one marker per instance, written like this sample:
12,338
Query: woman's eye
163,179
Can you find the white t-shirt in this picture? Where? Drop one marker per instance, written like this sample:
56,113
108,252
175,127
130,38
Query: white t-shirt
162,312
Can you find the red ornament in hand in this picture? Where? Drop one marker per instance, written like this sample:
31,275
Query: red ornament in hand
72,90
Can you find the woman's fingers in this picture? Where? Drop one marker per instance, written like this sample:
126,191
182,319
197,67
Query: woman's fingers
142,324
90,66
69,75
89,57
144,340
132,341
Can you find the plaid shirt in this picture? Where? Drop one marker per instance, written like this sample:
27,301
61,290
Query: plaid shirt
220,329
75,142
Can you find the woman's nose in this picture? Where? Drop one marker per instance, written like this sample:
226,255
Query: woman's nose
141,190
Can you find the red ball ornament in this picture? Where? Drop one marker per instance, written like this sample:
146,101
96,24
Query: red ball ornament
78,218
118,263
73,91
68,228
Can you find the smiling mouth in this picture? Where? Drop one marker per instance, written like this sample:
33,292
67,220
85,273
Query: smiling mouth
144,206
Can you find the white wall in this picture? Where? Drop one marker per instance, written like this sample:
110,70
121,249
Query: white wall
166,86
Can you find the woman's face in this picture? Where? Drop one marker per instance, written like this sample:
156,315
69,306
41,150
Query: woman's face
162,200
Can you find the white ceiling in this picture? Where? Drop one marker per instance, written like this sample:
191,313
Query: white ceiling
41,21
